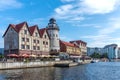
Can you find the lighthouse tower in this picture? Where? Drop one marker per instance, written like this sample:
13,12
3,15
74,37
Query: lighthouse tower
53,31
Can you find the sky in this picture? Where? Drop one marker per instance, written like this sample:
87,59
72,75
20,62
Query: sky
96,22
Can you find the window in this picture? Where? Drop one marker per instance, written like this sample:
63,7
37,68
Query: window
27,39
46,43
56,35
22,46
11,29
45,36
53,35
34,47
34,41
37,41
43,42
28,47
36,34
23,39
38,48
25,31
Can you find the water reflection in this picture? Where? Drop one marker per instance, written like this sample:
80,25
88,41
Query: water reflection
95,71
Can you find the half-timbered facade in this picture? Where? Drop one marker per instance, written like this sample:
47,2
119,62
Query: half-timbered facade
21,38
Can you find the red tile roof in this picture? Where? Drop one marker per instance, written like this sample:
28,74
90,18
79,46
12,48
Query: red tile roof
78,42
32,29
17,27
68,44
20,25
41,31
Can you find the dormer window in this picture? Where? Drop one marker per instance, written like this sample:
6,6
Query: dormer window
25,31
36,34
45,36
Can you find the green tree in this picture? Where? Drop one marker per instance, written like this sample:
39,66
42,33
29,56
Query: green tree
104,55
95,55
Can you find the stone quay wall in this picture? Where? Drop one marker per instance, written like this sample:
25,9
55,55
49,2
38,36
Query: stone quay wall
21,65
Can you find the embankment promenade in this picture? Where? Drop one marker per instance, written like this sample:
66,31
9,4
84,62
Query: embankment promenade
22,65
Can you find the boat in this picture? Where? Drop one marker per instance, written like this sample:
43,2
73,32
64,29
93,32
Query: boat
94,61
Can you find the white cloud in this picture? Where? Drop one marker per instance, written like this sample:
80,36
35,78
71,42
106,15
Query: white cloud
8,4
76,11
63,9
99,6
112,26
103,36
78,8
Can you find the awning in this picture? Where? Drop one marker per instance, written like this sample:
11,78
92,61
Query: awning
24,55
12,55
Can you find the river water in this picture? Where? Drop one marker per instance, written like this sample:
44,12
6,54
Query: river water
92,71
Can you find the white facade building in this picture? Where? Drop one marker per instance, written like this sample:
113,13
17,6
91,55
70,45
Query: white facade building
53,31
111,50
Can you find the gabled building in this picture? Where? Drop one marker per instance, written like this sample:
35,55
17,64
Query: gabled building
20,39
45,44
82,45
35,40
69,48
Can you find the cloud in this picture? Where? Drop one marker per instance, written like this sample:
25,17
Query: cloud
76,11
79,8
9,4
112,26
104,35
62,10
99,6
